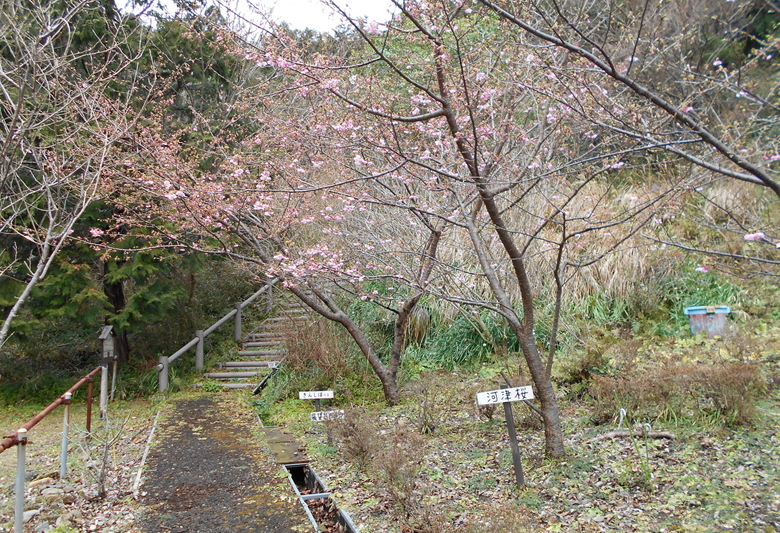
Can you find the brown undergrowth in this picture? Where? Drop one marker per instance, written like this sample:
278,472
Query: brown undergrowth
675,391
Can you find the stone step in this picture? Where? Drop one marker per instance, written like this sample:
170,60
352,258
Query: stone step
248,365
245,385
261,344
260,337
261,351
231,375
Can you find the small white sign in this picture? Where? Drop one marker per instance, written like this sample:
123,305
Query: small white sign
514,394
315,394
319,416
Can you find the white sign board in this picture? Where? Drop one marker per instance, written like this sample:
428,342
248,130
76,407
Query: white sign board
315,394
319,416
514,394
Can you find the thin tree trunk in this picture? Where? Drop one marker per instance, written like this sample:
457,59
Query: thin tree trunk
326,307
115,292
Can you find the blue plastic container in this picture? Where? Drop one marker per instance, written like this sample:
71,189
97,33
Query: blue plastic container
710,319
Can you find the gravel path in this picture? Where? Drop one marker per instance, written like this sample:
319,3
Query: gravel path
208,473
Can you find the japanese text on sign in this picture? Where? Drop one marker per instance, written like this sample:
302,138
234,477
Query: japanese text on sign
514,394
319,416
315,395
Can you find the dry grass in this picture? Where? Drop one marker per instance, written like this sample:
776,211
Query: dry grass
674,392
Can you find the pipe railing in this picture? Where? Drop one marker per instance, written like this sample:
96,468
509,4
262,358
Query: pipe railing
198,342
13,440
19,437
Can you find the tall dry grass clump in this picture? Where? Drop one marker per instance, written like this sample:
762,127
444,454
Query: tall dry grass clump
316,346
716,394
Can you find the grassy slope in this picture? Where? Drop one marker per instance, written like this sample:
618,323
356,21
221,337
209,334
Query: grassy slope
459,477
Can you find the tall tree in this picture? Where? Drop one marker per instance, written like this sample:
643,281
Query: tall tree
60,125
703,78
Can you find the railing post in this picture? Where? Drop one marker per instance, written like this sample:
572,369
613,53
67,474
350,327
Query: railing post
269,299
89,407
199,349
21,436
237,323
103,392
65,423
115,368
163,369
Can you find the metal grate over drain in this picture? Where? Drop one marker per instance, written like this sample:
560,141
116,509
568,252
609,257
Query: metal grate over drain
316,500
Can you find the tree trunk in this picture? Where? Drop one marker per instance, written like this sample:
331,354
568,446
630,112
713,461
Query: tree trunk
323,305
548,402
115,292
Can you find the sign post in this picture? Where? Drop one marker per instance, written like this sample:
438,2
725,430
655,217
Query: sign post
319,415
108,344
506,396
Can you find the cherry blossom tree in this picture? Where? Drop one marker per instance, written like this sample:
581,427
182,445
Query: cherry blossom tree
709,106
434,147
60,127
498,145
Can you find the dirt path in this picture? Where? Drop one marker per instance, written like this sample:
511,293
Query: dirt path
208,473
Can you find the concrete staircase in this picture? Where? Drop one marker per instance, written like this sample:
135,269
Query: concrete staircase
261,352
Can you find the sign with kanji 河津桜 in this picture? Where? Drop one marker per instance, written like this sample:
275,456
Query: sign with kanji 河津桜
514,394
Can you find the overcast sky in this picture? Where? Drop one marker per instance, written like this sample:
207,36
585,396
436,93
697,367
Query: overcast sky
312,14
302,14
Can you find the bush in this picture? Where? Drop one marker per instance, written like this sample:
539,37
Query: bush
356,437
719,393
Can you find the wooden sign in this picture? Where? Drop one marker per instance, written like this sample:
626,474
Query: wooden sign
315,395
319,416
507,395
514,394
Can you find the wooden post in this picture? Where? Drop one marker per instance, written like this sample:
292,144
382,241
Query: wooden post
510,425
199,349
237,323
108,344
114,370
104,392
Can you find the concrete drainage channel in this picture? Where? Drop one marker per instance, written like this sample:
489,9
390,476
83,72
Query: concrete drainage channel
317,501
311,491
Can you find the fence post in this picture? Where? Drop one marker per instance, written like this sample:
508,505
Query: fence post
103,392
114,370
269,299
163,369
65,424
89,407
199,349
237,323
21,436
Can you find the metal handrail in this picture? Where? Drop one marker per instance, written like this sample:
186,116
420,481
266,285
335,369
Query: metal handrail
19,437
198,341
13,440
